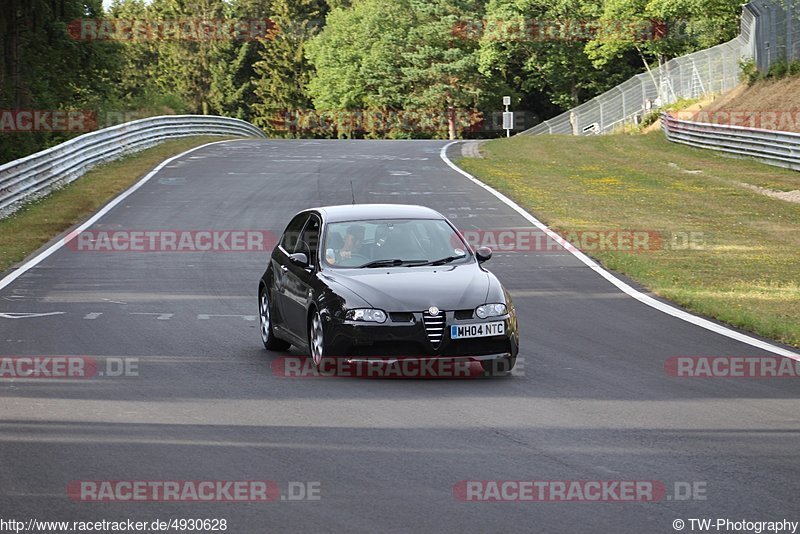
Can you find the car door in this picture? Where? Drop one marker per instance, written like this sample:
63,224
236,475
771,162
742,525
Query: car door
280,268
298,280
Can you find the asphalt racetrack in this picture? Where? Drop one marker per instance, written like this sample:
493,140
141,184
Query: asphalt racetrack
590,401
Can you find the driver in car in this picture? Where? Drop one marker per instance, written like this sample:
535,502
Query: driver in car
352,244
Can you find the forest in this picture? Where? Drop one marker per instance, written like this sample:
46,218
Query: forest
329,68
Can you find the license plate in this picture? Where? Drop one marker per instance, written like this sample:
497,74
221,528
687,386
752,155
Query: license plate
462,331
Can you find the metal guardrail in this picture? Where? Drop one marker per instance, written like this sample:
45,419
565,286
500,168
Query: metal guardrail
773,147
36,175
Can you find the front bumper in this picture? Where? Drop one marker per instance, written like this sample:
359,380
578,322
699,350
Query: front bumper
392,360
409,339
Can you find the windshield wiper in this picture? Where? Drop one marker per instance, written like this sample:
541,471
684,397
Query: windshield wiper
442,261
389,263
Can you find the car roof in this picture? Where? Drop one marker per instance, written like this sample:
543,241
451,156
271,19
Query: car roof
362,212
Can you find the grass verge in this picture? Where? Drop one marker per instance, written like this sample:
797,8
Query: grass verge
40,221
746,269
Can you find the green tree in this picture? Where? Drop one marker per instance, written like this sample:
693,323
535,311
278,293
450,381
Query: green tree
44,67
184,64
358,58
233,74
443,67
659,30
282,71
388,56
538,48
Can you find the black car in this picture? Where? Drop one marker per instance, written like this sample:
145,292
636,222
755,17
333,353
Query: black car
378,281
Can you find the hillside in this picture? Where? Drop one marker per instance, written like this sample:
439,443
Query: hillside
770,104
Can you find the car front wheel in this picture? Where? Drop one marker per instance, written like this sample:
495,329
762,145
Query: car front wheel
316,339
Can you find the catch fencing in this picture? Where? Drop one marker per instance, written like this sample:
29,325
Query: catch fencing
769,32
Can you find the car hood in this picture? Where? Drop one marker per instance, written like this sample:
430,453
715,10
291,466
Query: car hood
413,289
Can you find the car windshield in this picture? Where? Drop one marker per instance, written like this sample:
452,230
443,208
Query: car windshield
397,242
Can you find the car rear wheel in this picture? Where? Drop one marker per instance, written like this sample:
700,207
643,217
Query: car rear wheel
498,367
267,336
316,338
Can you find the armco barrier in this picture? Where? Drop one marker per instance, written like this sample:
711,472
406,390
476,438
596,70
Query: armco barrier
33,176
773,147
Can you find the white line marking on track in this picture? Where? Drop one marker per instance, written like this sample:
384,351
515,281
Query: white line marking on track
206,317
28,315
159,316
36,260
622,286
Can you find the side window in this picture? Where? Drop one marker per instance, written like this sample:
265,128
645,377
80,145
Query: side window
292,233
309,241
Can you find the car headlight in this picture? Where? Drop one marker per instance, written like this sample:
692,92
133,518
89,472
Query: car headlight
366,315
490,310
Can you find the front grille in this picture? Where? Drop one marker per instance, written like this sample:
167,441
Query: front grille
434,326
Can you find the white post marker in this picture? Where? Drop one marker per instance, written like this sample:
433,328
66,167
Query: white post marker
508,116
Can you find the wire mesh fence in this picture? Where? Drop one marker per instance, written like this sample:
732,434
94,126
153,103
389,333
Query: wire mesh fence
777,26
770,32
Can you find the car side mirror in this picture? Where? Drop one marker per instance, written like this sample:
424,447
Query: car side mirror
483,254
299,258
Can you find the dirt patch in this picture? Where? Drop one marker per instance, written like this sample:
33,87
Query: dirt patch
701,105
789,196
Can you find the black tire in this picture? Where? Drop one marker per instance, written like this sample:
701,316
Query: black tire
316,339
499,367
264,315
